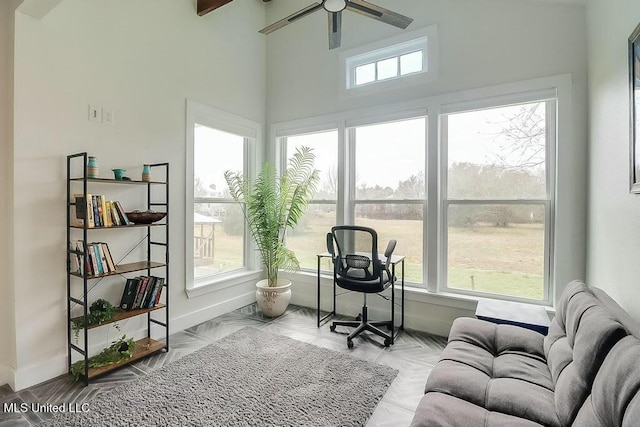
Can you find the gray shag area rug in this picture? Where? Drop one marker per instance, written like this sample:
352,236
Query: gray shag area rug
249,378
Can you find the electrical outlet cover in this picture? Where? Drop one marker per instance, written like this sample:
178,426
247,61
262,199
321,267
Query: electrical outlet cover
107,116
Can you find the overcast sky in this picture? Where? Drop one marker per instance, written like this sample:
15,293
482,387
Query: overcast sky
385,153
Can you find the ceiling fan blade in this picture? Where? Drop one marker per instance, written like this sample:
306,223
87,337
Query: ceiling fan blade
206,6
291,18
380,13
335,29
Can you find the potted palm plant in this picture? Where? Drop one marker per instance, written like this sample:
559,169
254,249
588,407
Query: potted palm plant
272,205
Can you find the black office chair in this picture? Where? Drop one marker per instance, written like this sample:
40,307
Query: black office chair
357,267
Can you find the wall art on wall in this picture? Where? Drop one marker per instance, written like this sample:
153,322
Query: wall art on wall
634,96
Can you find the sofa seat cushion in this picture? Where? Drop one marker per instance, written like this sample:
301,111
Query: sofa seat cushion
499,368
443,410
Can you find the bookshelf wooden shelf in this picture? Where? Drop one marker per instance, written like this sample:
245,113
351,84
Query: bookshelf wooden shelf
120,226
121,315
89,256
144,347
125,268
115,181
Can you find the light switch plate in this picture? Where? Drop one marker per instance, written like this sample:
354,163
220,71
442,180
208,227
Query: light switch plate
95,114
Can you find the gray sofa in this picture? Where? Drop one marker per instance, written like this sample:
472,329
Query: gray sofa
585,372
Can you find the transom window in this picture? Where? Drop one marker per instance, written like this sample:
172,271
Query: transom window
389,68
410,57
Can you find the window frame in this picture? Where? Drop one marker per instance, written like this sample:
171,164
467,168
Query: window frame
251,132
560,226
281,139
425,40
353,201
550,97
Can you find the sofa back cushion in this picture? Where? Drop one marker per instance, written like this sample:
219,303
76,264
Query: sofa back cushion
615,396
580,337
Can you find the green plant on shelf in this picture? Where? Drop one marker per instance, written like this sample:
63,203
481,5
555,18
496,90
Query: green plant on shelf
119,350
100,311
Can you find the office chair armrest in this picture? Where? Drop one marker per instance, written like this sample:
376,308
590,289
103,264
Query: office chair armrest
330,245
388,252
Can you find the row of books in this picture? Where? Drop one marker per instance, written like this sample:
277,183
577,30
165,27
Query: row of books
99,260
96,211
141,292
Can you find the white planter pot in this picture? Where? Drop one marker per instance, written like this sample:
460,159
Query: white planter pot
273,301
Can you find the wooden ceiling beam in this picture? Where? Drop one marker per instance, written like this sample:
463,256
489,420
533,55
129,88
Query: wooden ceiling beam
206,6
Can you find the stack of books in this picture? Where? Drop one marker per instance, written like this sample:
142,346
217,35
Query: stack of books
141,292
99,260
96,211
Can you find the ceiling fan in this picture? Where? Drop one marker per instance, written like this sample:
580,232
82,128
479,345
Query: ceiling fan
334,9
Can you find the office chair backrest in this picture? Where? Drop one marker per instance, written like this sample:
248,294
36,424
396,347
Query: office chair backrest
354,250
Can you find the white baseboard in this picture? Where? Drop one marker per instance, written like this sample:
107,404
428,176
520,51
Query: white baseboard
6,376
38,373
191,319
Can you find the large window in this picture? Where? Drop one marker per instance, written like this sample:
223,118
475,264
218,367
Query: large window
217,240
388,186
498,199
308,239
219,232
465,182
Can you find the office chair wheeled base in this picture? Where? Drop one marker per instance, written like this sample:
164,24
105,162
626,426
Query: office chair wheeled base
362,324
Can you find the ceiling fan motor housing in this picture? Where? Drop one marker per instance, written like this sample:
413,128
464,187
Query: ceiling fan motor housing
334,5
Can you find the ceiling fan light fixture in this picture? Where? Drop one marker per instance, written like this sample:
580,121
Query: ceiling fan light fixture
334,5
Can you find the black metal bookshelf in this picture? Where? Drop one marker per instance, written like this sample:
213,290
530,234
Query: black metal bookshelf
157,235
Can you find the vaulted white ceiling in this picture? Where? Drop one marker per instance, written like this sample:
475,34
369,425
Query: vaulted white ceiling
40,8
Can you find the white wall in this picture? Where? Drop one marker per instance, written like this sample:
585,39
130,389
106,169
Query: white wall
614,213
482,43
142,60
6,191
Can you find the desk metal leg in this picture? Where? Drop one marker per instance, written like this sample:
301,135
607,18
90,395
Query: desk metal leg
402,302
334,294
319,318
393,301
395,334
318,306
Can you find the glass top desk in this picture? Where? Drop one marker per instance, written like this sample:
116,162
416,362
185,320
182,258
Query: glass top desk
395,260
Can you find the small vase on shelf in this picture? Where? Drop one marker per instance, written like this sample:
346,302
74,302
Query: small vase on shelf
92,167
146,173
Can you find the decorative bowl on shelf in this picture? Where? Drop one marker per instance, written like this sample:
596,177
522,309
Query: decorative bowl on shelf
147,217
118,174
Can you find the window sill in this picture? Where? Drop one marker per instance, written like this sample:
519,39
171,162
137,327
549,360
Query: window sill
449,299
227,281
413,293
